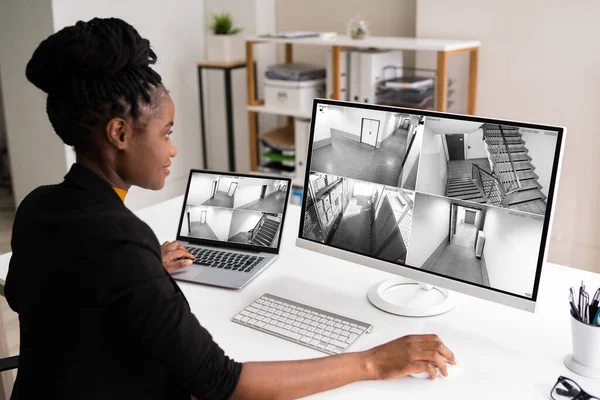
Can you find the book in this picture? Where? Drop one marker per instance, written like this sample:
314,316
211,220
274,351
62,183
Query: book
408,82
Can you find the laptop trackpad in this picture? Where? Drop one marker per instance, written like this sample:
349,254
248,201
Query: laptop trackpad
189,272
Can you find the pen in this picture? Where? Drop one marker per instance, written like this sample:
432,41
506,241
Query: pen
596,318
594,306
581,289
583,308
574,310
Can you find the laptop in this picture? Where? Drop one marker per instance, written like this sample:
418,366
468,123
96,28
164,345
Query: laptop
232,224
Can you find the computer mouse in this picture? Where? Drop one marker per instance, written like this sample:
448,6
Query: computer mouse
453,370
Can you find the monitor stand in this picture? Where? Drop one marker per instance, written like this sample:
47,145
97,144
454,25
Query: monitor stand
410,298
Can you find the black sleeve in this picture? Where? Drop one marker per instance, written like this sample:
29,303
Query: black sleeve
132,283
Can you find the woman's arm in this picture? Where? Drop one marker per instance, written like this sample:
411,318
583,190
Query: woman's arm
294,379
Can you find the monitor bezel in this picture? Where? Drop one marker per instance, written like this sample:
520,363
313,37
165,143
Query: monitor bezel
488,293
239,246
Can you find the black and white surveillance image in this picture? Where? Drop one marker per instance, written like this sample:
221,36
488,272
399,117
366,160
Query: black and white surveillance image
367,145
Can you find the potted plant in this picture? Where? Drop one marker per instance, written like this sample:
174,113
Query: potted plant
357,28
224,43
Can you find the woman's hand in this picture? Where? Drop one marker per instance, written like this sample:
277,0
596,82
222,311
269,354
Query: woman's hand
175,256
408,355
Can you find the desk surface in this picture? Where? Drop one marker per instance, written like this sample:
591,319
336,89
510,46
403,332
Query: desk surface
503,352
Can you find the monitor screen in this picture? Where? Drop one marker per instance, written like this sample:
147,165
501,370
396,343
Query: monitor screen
463,198
242,210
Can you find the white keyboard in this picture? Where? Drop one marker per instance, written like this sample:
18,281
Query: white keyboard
308,326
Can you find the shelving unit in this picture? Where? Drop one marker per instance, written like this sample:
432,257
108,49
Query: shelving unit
443,48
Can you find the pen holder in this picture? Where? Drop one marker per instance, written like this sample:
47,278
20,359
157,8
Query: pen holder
585,359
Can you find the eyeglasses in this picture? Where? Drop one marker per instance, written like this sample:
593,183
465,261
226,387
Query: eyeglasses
568,389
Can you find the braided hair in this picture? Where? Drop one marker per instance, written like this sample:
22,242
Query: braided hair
92,72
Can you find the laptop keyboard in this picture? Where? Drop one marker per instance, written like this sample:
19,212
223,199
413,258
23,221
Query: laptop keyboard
224,259
307,326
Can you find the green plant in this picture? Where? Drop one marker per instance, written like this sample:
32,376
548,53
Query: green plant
222,24
358,31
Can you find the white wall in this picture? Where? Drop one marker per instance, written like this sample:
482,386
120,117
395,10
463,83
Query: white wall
272,187
249,190
322,122
219,219
433,168
413,155
175,33
243,221
430,226
388,126
362,189
196,212
352,121
184,224
460,214
475,145
349,120
200,188
37,155
511,249
384,17
255,17
225,183
541,146
527,47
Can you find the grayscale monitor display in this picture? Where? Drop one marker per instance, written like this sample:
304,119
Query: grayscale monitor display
456,197
247,211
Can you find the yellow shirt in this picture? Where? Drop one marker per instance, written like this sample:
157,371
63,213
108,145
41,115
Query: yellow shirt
121,192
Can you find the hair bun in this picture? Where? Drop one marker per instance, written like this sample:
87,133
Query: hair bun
88,50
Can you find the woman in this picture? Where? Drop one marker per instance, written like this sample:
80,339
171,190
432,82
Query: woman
100,315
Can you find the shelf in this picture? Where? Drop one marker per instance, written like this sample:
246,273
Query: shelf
280,138
278,111
381,42
443,47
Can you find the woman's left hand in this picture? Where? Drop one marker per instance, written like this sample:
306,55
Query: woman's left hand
175,256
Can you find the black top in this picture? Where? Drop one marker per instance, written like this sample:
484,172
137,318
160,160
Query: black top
100,317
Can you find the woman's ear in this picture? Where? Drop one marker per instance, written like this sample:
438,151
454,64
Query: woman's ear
118,133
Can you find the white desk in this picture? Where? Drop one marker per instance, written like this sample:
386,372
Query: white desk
503,352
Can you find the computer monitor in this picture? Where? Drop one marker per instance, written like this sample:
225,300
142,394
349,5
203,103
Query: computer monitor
460,202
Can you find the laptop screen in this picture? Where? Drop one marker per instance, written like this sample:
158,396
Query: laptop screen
245,211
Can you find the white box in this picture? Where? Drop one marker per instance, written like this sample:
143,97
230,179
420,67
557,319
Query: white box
344,75
225,48
295,96
372,63
301,134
